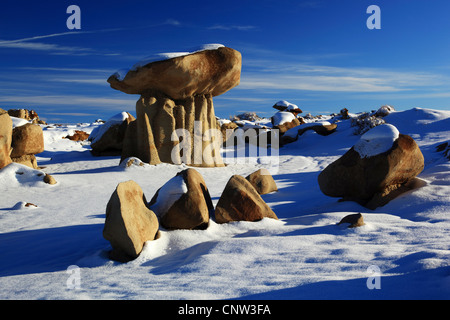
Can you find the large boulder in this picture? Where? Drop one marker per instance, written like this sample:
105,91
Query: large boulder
6,127
129,223
203,72
241,202
383,161
183,202
26,140
175,112
262,181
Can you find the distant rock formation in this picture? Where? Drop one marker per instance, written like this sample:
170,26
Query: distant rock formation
284,105
26,114
176,93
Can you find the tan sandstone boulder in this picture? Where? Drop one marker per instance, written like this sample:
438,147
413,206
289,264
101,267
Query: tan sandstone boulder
129,223
5,138
262,181
27,139
241,202
183,202
371,180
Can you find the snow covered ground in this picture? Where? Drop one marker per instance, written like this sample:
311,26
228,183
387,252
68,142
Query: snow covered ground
56,250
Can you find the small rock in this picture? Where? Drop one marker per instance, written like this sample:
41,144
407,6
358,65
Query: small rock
78,136
354,220
49,179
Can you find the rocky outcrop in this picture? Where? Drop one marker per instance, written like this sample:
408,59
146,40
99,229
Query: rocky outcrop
175,110
262,181
183,202
5,138
372,180
129,223
29,115
241,202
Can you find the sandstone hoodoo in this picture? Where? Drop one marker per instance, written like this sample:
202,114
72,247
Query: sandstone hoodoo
176,98
379,167
129,223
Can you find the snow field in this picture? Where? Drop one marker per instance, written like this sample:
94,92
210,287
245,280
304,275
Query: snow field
304,255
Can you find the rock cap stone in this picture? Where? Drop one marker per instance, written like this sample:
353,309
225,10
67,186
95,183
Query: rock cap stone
205,72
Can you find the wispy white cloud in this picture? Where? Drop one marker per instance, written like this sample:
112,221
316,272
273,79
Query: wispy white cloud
29,43
232,27
289,74
172,22
68,100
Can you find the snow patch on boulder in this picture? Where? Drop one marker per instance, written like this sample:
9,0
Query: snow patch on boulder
168,194
120,74
377,140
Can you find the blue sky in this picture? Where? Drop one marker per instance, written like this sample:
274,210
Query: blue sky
317,54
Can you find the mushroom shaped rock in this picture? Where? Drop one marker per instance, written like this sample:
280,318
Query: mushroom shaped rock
176,106
213,71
